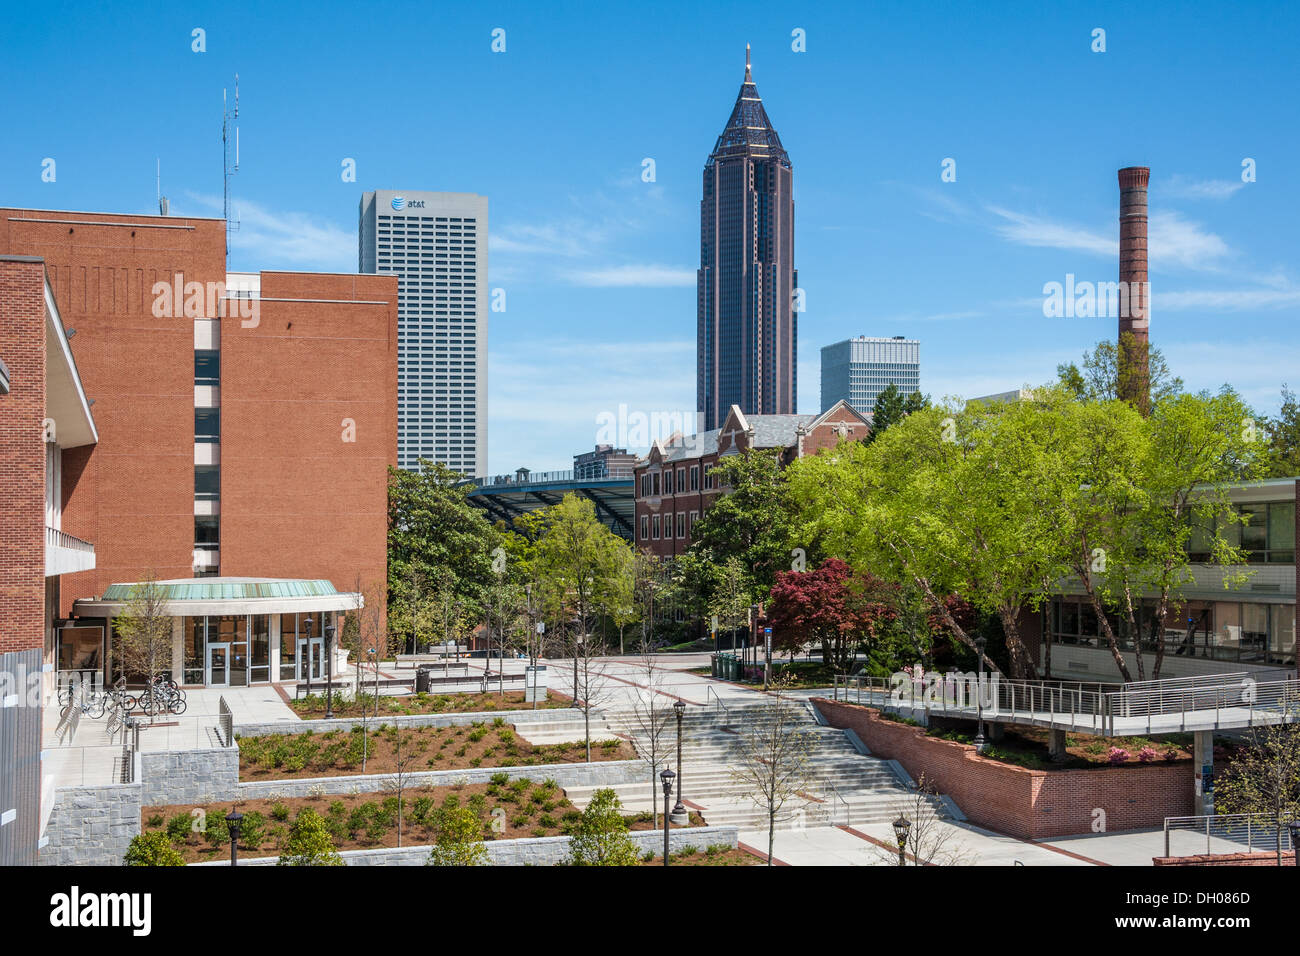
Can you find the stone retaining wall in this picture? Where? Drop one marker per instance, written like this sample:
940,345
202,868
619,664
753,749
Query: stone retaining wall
91,826
530,851
188,776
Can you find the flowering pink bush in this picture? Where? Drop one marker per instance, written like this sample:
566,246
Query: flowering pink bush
1147,754
1117,755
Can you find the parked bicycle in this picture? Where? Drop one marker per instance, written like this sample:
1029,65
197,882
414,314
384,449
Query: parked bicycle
162,696
82,695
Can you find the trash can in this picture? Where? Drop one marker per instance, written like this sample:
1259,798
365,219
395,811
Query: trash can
713,665
422,679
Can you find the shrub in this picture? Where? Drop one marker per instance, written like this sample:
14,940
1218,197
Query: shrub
180,827
600,837
499,779
498,721
1147,754
1117,755
252,831
505,735
154,821
152,849
459,839
547,821
216,832
421,809
309,843
1171,754
279,812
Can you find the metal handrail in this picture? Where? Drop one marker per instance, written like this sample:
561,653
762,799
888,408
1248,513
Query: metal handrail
1230,827
715,695
226,722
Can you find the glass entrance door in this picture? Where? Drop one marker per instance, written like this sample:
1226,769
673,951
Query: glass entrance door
311,654
218,669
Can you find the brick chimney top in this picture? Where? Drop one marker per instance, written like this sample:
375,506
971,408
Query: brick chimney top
1134,177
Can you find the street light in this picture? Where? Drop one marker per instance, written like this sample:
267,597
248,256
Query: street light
679,812
234,819
329,671
979,694
901,827
667,777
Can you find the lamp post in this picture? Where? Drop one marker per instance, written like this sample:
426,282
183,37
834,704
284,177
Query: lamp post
329,671
667,777
901,828
679,811
306,646
234,819
979,694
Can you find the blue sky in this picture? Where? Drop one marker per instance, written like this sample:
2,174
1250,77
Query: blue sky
598,265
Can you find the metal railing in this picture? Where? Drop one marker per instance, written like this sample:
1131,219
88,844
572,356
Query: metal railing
225,723
1084,706
130,745
546,478
722,706
1235,833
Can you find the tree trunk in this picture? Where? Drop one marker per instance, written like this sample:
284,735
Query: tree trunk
1022,664
771,834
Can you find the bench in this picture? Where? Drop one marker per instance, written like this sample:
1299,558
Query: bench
367,686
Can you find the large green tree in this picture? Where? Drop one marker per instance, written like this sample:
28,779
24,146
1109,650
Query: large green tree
1099,377
892,406
1283,434
438,543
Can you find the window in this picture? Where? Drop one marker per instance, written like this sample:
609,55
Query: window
690,523
695,477
288,646
207,424
668,482
655,525
645,527
207,482
655,484
645,486
259,654
207,367
207,532
681,524
708,479
681,479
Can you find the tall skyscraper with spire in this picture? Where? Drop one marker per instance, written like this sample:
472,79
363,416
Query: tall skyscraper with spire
746,318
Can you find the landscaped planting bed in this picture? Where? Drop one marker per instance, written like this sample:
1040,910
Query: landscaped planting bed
313,705
716,855
386,749
1028,747
507,809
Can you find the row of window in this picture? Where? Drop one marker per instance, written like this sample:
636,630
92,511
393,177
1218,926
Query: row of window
1267,534
674,482
653,527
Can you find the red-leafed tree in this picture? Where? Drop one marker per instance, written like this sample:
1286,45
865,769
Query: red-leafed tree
831,606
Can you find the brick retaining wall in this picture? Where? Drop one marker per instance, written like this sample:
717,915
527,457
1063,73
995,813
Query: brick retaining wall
1031,804
1225,859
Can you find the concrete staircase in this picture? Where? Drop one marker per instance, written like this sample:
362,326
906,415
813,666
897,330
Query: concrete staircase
844,787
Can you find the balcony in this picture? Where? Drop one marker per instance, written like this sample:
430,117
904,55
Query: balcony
65,554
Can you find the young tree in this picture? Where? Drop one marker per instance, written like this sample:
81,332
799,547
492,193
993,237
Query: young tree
600,838
930,840
460,839
405,763
309,842
590,681
143,631
731,596
651,715
1264,778
1283,458
829,605
152,849
774,762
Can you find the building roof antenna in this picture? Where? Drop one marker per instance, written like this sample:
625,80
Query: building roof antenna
163,205
228,121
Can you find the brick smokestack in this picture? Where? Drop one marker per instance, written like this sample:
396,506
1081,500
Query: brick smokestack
1134,384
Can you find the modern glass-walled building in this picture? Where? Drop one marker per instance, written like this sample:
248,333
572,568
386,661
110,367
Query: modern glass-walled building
857,370
226,632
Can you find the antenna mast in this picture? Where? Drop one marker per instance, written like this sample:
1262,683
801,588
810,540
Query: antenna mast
227,120
162,200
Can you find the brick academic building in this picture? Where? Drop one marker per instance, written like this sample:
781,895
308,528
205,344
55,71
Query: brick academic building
228,436
673,484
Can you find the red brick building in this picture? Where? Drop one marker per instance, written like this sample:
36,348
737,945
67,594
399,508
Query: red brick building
673,484
245,422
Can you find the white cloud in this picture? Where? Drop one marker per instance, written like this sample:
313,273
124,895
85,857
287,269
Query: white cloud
269,239
1185,187
633,275
1172,240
